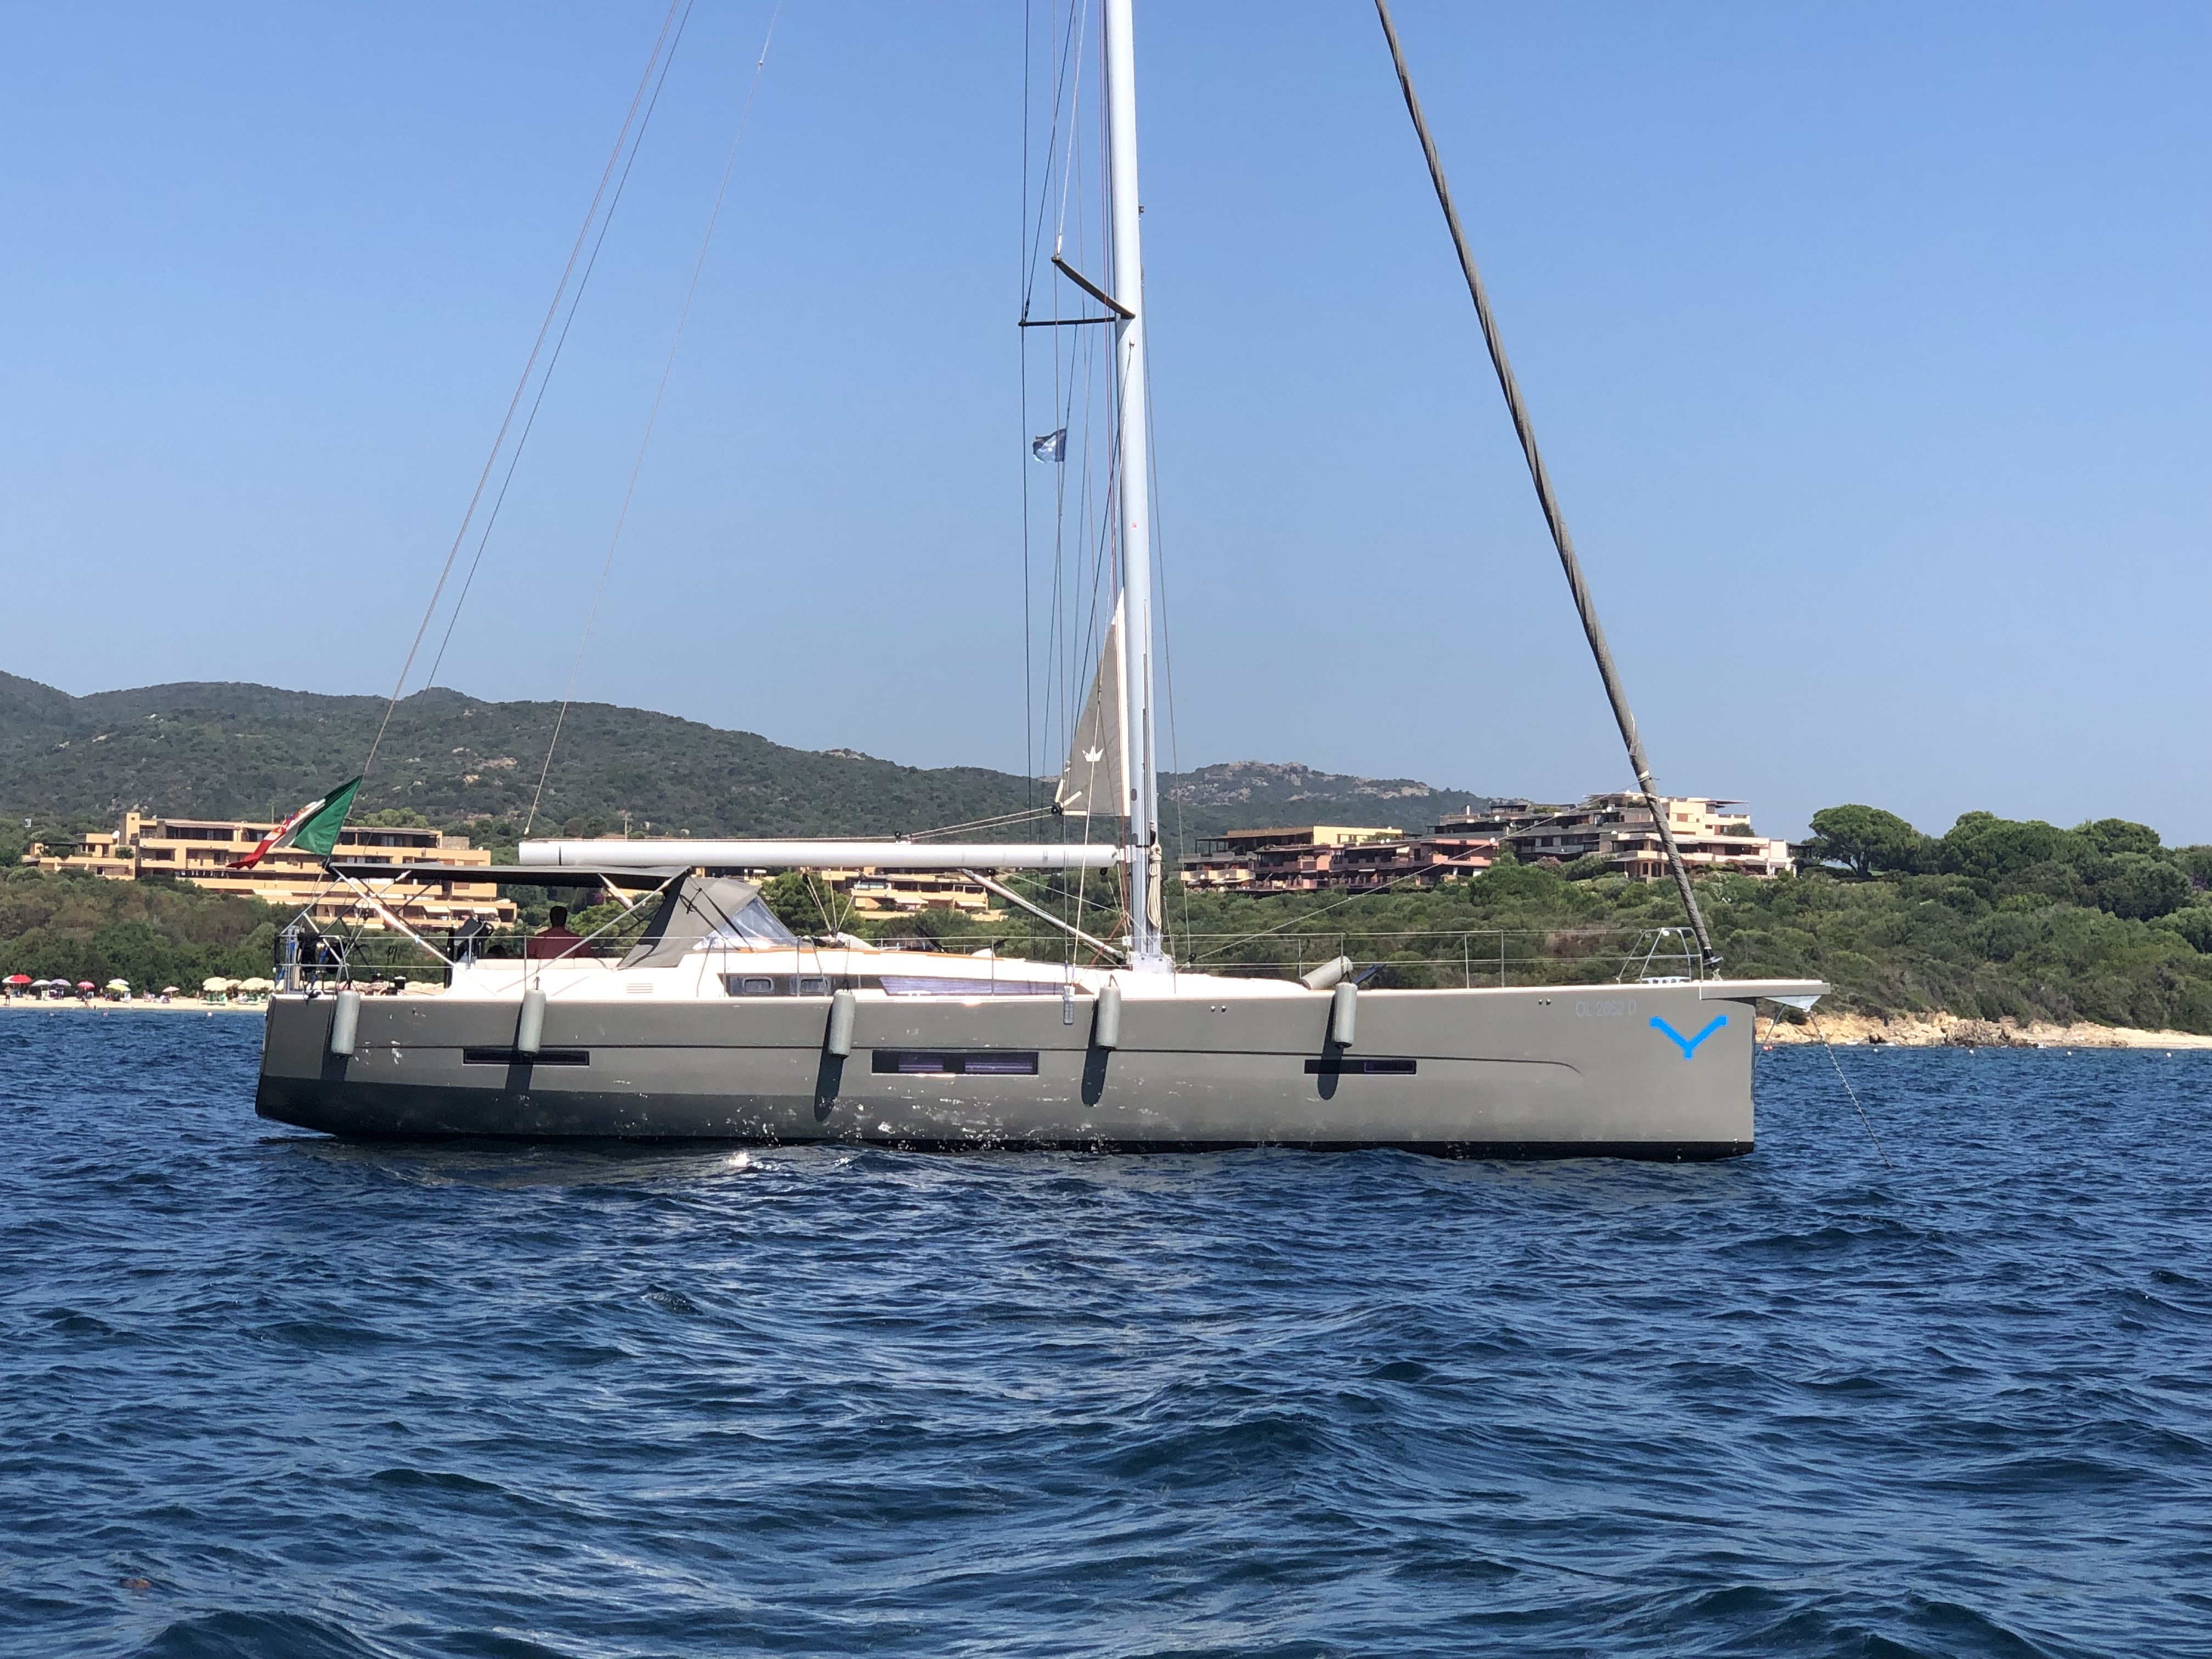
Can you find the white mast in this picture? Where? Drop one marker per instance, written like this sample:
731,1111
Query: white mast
1133,489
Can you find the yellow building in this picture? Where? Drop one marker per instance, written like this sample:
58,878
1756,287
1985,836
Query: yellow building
1619,829
878,892
197,849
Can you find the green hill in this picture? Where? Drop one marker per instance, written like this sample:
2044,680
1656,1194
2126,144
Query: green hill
196,749
1993,918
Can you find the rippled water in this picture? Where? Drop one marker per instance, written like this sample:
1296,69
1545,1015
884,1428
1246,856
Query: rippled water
267,1394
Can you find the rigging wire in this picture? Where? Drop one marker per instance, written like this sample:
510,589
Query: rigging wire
1077,32
1167,636
1036,746
652,417
1021,355
1585,607
522,384
546,383
1027,815
1072,628
1061,55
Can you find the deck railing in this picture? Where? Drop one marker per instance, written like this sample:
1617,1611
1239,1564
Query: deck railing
1386,958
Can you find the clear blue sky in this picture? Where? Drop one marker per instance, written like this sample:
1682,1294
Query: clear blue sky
1871,345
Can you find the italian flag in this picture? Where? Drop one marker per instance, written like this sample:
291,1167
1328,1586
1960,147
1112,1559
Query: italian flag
314,827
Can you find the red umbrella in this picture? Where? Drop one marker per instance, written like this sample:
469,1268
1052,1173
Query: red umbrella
18,979
85,985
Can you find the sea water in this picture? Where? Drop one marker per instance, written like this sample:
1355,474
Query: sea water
267,1394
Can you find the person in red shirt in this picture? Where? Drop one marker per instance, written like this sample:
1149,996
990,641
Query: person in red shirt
555,939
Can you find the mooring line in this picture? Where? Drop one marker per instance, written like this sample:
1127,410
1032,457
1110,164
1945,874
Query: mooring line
1865,1122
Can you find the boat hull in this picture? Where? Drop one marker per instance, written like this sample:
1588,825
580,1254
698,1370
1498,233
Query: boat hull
1637,1071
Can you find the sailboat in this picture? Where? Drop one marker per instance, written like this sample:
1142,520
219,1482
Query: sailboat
720,1023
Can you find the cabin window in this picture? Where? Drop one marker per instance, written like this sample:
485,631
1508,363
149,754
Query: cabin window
937,1062
509,1057
780,985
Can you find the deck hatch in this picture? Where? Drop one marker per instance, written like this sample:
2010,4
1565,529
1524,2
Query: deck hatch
509,1057
938,1062
1361,1065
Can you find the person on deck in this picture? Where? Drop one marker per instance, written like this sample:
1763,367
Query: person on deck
555,939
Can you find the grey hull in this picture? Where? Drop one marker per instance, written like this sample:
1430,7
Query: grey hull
1637,1072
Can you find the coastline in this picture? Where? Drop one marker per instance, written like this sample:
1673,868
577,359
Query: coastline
1848,1031
1951,1031
71,1006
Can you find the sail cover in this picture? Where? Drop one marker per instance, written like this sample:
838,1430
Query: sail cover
1096,780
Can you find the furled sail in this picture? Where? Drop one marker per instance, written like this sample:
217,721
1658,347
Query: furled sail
1096,781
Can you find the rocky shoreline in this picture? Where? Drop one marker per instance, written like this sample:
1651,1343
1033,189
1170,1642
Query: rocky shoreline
1951,1031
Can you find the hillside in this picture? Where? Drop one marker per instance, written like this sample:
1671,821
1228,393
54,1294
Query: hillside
237,750
1258,792
1995,920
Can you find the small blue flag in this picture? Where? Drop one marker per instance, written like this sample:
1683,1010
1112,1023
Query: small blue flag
1052,446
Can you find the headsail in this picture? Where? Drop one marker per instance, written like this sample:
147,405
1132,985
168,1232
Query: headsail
1095,783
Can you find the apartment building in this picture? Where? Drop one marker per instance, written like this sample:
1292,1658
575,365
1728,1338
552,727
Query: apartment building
197,849
1616,828
880,891
1265,861
1619,829
1308,857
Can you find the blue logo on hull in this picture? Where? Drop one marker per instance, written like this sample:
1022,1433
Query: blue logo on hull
1688,1045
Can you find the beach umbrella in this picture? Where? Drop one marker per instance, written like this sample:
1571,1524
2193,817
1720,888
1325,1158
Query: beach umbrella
23,979
217,983
257,983
85,985
118,985
171,990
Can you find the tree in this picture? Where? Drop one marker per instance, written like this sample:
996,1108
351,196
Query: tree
2114,836
393,817
1866,839
801,902
2139,887
2194,923
1983,844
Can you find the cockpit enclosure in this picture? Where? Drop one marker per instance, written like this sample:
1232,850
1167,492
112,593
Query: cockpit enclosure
709,912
